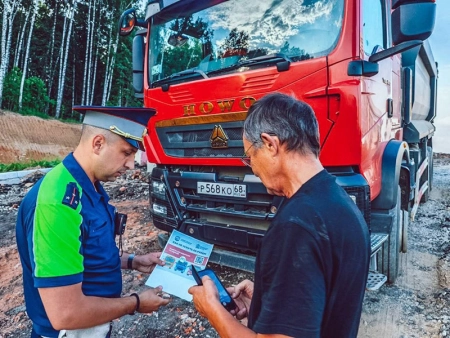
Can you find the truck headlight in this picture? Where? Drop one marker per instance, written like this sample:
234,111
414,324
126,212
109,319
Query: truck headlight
159,189
159,209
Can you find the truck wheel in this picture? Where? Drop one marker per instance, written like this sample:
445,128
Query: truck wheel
390,252
404,237
429,176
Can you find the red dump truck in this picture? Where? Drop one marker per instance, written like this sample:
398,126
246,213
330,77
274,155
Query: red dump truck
365,68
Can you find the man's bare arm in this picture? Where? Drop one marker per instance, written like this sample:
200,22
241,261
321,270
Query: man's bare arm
68,308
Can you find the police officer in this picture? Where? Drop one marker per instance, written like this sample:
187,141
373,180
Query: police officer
66,234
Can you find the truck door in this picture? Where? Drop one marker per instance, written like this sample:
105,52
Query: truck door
377,98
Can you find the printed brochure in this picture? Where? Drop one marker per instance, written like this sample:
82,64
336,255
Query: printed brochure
179,254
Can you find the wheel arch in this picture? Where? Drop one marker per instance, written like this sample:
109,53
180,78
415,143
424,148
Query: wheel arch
391,166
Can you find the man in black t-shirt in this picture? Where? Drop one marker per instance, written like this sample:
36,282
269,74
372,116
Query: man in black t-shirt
312,265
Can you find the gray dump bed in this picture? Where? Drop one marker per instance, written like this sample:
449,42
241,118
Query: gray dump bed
423,92
424,73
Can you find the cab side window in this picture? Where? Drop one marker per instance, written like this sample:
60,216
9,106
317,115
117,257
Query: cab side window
373,26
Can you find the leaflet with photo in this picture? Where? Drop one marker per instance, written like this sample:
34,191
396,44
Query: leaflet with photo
180,254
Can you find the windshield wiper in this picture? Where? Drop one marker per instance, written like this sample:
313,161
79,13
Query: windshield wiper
281,60
180,77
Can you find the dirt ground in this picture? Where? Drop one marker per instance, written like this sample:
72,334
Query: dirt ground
418,305
27,138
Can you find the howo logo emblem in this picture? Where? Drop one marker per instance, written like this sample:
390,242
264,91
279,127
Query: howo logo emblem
221,106
219,138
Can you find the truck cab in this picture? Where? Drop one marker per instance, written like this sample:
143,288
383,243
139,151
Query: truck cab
365,68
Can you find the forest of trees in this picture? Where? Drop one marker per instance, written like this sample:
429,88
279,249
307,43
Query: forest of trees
55,54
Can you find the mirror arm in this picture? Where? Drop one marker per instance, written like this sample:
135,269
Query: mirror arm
141,23
401,47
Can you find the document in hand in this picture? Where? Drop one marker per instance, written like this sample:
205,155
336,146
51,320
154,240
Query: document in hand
179,254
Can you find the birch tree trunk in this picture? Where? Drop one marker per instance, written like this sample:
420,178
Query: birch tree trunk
91,54
60,61
3,63
110,68
94,77
9,12
108,62
50,71
63,63
86,58
73,82
19,44
33,8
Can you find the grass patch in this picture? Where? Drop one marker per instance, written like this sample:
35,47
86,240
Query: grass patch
29,165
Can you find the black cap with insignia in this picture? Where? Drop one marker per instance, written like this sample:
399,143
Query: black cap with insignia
128,122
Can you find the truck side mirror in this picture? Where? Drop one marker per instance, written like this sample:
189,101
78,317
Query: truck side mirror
138,65
414,21
127,22
362,68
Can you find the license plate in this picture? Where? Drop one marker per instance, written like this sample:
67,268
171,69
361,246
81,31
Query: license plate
222,189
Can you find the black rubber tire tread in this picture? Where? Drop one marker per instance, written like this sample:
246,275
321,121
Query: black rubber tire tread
429,173
405,225
389,255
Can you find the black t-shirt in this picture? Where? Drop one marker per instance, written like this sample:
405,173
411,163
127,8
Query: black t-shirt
311,269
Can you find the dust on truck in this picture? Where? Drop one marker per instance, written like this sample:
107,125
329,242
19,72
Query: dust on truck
365,68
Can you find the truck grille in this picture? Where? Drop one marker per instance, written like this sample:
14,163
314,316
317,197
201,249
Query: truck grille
195,140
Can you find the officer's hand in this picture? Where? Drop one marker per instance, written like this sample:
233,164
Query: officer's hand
146,263
152,299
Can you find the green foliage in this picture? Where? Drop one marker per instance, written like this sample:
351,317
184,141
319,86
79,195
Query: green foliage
236,43
41,88
177,59
11,89
122,93
34,99
33,164
35,96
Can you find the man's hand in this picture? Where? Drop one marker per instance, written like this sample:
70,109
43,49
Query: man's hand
151,300
205,297
242,295
146,263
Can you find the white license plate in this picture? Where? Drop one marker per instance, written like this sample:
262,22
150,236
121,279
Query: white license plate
222,189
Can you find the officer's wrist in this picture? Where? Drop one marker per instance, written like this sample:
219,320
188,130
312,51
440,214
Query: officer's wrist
138,303
130,261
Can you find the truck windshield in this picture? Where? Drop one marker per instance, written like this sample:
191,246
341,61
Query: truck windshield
188,44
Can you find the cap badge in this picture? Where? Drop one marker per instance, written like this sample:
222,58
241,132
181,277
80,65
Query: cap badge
119,132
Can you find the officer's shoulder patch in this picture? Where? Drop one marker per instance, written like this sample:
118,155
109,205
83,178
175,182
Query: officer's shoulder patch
72,195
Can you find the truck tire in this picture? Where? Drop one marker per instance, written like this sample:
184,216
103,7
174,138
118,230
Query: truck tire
429,176
390,252
404,237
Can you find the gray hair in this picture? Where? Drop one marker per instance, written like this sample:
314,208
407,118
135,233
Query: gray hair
293,121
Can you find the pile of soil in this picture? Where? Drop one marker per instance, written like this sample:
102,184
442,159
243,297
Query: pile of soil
27,138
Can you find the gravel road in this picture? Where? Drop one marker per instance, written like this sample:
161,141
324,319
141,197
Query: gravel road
418,305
